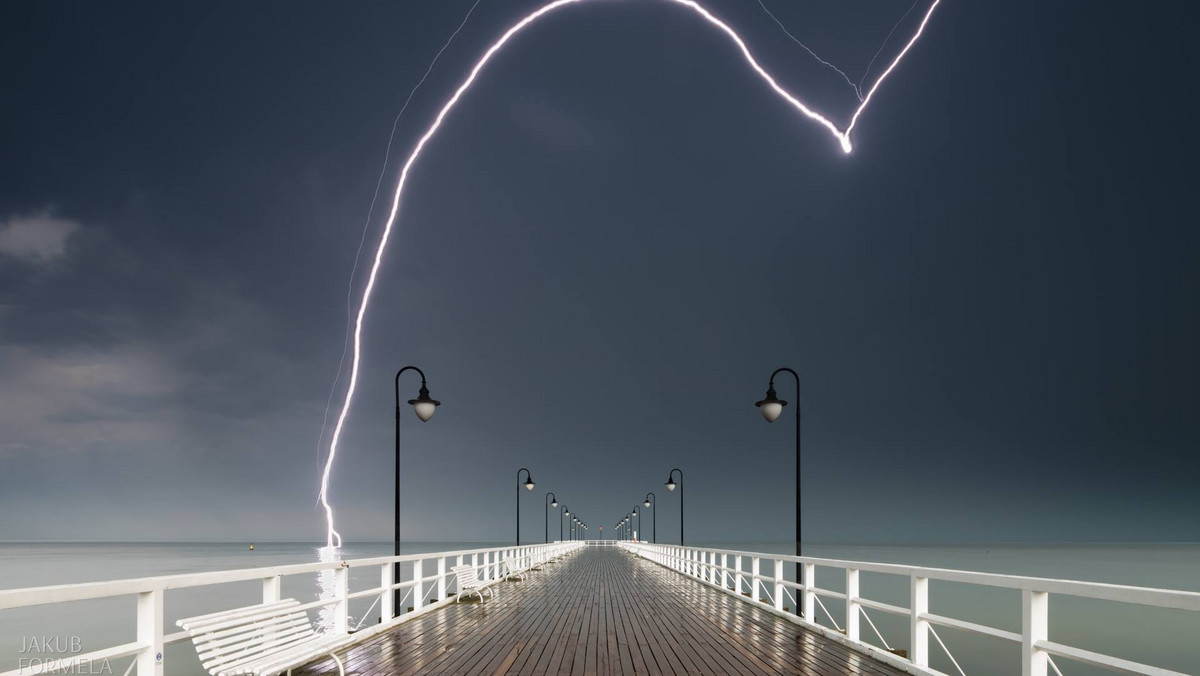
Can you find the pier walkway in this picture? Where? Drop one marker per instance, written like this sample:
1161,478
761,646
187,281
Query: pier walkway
601,611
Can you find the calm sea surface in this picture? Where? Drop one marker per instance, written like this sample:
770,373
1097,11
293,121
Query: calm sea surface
1164,638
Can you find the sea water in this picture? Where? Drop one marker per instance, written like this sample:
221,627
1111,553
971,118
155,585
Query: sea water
1161,637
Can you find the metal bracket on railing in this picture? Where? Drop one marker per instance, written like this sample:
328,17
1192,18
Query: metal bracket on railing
368,613
881,638
954,661
817,598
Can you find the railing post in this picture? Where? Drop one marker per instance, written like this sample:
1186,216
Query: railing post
852,604
341,611
754,571
418,584
810,597
387,609
1035,626
441,584
737,576
272,588
725,571
918,603
150,632
778,584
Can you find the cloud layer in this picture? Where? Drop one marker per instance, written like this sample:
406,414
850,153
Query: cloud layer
36,239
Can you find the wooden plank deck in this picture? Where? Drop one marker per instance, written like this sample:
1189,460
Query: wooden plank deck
602,611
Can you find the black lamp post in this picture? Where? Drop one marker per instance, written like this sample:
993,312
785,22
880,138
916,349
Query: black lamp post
671,486
553,503
565,512
651,500
639,520
771,407
529,487
424,408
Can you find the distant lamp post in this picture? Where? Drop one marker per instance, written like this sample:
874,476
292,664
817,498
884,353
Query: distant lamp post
424,408
639,521
528,487
565,512
671,487
650,502
553,500
771,407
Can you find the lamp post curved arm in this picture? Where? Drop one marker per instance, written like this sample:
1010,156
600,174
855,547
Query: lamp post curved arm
671,486
424,407
771,407
552,501
529,487
652,501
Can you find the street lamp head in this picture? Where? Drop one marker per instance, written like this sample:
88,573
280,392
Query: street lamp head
423,405
670,483
554,503
566,512
635,510
646,503
529,483
771,406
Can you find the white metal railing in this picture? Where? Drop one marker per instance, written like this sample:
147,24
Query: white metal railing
726,569
430,577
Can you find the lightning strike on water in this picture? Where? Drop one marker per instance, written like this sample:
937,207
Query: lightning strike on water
839,71
843,138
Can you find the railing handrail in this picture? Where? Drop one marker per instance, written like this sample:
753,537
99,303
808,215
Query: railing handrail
22,597
1105,591
721,567
150,592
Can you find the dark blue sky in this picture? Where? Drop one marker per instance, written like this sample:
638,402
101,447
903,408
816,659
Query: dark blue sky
614,240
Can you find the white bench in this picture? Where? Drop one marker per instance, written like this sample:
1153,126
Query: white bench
516,566
469,582
268,638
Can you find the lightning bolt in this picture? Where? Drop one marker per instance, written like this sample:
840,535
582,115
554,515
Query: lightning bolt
842,136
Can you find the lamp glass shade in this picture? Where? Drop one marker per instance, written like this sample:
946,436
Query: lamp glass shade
529,484
670,484
566,512
424,409
554,503
771,410
423,405
646,503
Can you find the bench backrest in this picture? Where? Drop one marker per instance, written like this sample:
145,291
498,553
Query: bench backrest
226,638
467,576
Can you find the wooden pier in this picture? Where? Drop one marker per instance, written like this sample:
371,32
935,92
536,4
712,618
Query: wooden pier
601,611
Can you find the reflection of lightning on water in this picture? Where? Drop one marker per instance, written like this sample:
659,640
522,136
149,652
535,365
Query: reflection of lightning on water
843,137
327,590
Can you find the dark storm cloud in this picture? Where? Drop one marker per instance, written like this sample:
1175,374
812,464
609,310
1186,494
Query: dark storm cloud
601,258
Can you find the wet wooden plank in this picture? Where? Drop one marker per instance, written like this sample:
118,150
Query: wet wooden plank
602,611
